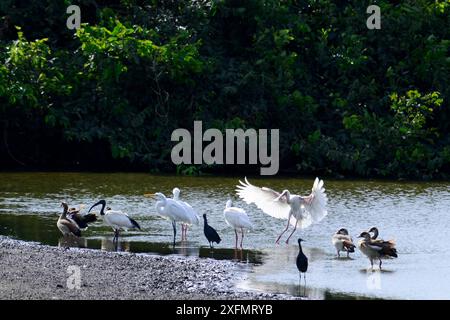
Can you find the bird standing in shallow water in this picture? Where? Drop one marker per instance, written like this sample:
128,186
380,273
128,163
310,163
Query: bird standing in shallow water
116,219
172,210
343,242
298,210
65,225
238,219
193,216
376,249
302,262
210,233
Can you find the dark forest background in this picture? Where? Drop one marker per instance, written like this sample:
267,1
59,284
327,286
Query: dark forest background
348,101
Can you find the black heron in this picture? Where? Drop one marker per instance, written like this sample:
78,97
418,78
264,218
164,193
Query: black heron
210,233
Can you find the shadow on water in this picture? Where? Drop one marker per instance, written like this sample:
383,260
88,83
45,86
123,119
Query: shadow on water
42,229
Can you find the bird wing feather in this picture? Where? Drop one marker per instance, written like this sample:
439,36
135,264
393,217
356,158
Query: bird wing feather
316,202
178,211
193,216
237,218
71,226
118,219
264,198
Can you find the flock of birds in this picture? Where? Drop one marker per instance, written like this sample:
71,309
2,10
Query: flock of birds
299,211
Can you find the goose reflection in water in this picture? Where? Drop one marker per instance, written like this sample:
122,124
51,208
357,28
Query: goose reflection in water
72,242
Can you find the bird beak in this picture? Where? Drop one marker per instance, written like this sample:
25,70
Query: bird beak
149,195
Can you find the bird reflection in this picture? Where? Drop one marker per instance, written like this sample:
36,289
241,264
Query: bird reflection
239,255
72,242
110,244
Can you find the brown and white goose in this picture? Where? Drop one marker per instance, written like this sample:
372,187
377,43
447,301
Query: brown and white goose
376,249
67,226
343,242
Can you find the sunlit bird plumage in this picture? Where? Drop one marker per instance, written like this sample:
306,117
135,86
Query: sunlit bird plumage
299,211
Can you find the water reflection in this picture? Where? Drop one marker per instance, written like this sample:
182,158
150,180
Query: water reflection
72,242
114,245
29,206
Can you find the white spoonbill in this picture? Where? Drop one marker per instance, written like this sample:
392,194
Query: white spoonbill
116,219
194,218
172,210
296,209
237,218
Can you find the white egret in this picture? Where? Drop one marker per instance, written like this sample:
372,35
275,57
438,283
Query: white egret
172,210
238,219
193,216
65,225
296,209
343,242
116,219
376,249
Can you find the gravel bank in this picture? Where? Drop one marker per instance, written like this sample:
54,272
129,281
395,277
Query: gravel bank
34,271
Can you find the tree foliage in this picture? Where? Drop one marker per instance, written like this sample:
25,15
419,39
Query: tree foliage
347,100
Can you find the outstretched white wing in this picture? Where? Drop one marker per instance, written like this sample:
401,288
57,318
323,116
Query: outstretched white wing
264,198
316,202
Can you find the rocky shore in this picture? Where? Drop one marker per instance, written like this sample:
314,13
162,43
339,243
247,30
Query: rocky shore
35,271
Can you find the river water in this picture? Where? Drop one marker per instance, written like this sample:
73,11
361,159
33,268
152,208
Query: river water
415,215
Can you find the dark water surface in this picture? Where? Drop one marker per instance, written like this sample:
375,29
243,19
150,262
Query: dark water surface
416,215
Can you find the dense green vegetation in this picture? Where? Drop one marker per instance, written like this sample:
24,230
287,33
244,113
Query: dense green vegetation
347,100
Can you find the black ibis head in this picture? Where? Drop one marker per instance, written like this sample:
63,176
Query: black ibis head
101,202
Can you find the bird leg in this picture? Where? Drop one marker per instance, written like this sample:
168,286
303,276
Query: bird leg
295,228
380,263
174,232
116,235
338,254
242,239
235,231
287,227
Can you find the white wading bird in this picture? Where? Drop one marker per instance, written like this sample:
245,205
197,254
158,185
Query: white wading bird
116,219
193,216
172,210
298,210
238,219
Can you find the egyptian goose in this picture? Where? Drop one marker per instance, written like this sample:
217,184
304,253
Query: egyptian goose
65,225
376,249
343,242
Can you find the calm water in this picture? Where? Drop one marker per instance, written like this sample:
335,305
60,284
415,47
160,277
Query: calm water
416,215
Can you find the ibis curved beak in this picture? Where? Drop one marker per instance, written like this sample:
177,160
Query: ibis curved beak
102,202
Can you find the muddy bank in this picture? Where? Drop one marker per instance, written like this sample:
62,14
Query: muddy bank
34,271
